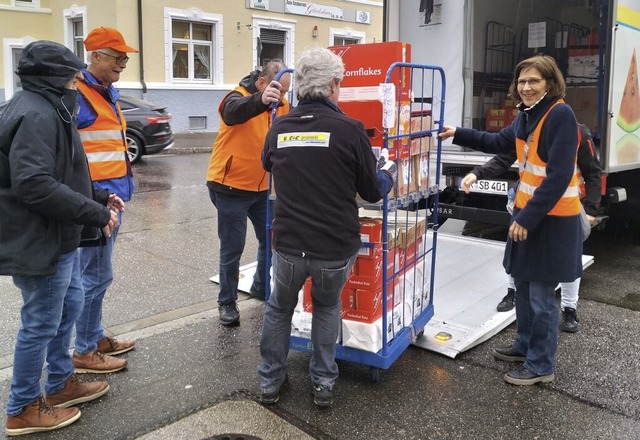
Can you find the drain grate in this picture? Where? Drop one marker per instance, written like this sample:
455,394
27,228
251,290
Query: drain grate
233,437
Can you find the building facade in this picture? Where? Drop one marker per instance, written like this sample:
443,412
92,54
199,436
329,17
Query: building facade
191,52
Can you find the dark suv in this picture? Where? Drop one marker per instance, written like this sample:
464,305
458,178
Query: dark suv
148,129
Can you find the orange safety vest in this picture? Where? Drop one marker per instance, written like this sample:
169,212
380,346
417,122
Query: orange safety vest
104,141
533,170
236,159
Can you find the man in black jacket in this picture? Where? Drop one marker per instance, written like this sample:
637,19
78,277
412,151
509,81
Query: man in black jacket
46,198
320,158
590,186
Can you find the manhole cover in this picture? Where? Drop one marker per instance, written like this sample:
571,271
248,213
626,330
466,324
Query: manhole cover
233,437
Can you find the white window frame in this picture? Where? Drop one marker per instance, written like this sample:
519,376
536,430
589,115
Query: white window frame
26,3
23,6
346,33
8,44
69,15
217,59
288,26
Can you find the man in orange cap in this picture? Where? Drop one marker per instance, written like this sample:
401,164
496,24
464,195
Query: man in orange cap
102,130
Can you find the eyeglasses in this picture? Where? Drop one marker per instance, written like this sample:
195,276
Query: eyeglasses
119,60
532,82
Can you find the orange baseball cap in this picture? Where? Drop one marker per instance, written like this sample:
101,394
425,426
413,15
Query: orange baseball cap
106,37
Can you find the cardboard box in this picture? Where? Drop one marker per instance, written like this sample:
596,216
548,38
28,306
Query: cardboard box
366,68
368,301
362,335
370,230
372,267
420,169
407,229
496,123
367,336
301,324
306,302
495,113
584,102
421,145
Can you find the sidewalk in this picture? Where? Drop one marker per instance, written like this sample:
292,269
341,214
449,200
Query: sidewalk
196,142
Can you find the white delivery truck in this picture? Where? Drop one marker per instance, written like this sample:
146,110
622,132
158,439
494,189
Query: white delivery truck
479,42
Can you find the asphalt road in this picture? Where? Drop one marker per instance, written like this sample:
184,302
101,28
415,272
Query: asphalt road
190,378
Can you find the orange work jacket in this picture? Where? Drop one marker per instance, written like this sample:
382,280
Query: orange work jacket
236,159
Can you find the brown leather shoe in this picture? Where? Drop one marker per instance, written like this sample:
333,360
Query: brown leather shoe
40,417
113,346
97,362
75,392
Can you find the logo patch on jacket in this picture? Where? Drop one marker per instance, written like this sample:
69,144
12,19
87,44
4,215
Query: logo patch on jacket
305,139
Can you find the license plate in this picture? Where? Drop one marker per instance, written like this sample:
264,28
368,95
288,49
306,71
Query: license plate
490,187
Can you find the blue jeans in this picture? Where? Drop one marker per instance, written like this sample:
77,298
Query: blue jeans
233,211
290,272
51,305
97,275
537,322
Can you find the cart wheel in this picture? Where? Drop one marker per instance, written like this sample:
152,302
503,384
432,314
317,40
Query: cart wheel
374,374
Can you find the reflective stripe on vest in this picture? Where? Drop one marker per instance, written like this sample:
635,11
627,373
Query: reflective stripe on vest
533,170
104,140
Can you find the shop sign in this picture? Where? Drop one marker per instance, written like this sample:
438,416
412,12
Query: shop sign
259,4
313,10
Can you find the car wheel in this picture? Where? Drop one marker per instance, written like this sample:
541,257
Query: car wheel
134,147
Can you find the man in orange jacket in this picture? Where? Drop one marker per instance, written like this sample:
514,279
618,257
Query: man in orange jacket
102,130
237,182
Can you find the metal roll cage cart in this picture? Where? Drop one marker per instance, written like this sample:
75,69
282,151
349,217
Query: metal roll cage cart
408,217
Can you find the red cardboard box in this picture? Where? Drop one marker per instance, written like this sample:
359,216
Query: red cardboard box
366,67
368,303
347,296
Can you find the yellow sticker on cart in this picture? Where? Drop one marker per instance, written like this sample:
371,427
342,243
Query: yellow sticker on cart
305,139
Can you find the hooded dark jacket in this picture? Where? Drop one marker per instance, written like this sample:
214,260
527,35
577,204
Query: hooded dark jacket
45,188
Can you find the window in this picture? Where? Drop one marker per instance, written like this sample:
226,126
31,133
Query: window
342,41
11,52
271,46
74,28
27,3
192,50
77,29
341,37
15,56
273,41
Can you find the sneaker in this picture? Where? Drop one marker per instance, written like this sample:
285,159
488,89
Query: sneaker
40,417
322,395
97,362
522,376
229,314
508,302
113,346
75,392
569,320
269,396
508,354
